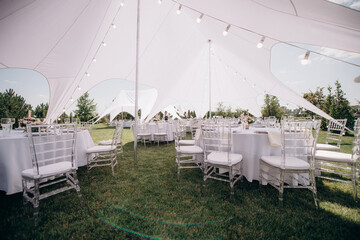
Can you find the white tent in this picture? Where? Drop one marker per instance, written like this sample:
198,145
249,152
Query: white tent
125,102
61,39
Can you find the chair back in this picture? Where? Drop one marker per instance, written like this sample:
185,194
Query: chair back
161,127
356,142
117,133
336,130
217,138
299,139
52,143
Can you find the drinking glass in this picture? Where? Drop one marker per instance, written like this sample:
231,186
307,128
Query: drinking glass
6,126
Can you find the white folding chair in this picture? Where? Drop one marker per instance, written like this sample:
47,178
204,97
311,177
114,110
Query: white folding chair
160,133
52,149
187,156
106,155
335,131
295,167
119,144
339,166
219,162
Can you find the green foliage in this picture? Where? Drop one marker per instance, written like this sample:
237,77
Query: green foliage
13,105
41,110
340,107
86,108
271,107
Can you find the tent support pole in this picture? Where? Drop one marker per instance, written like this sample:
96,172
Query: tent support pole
209,78
136,81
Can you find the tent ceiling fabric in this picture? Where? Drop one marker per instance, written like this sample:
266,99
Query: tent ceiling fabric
60,38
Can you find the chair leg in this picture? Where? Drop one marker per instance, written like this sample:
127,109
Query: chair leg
354,181
314,189
281,188
231,181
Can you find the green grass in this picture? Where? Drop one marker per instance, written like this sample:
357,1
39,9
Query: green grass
150,191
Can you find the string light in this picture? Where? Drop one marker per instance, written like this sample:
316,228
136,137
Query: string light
113,25
306,58
261,43
87,74
104,44
198,20
179,9
94,60
78,87
226,31
71,99
160,1
122,4
64,109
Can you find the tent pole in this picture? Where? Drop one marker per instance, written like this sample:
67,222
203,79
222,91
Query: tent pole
137,80
209,78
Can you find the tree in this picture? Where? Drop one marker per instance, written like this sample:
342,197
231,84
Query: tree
340,107
13,105
86,108
317,98
220,110
41,110
271,107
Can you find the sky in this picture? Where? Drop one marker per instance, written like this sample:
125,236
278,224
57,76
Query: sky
285,65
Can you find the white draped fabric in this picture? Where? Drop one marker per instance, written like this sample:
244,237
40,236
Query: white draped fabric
60,39
125,102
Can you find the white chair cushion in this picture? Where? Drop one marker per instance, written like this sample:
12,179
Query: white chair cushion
222,158
97,149
322,146
143,134
187,142
291,163
108,142
48,170
333,156
190,149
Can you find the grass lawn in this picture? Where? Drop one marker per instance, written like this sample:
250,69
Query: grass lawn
147,200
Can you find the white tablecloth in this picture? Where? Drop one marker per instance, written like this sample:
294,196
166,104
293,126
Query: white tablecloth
15,157
252,146
170,130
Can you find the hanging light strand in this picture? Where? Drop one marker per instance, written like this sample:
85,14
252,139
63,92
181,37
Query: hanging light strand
262,35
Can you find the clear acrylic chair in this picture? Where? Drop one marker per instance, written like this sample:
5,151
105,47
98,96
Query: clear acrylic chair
294,168
52,149
335,131
106,155
341,167
160,133
143,134
187,156
219,161
119,144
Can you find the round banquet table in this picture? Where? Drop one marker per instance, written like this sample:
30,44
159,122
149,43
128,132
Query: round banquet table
15,157
252,144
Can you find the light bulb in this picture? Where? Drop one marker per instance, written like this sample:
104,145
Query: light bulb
113,25
179,9
198,20
305,61
104,44
64,110
226,31
78,87
122,4
87,74
94,59
71,99
261,43
160,1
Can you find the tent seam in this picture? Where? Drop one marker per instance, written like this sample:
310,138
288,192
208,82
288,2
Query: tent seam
17,10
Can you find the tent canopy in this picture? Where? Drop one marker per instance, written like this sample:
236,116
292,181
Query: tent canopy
61,38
